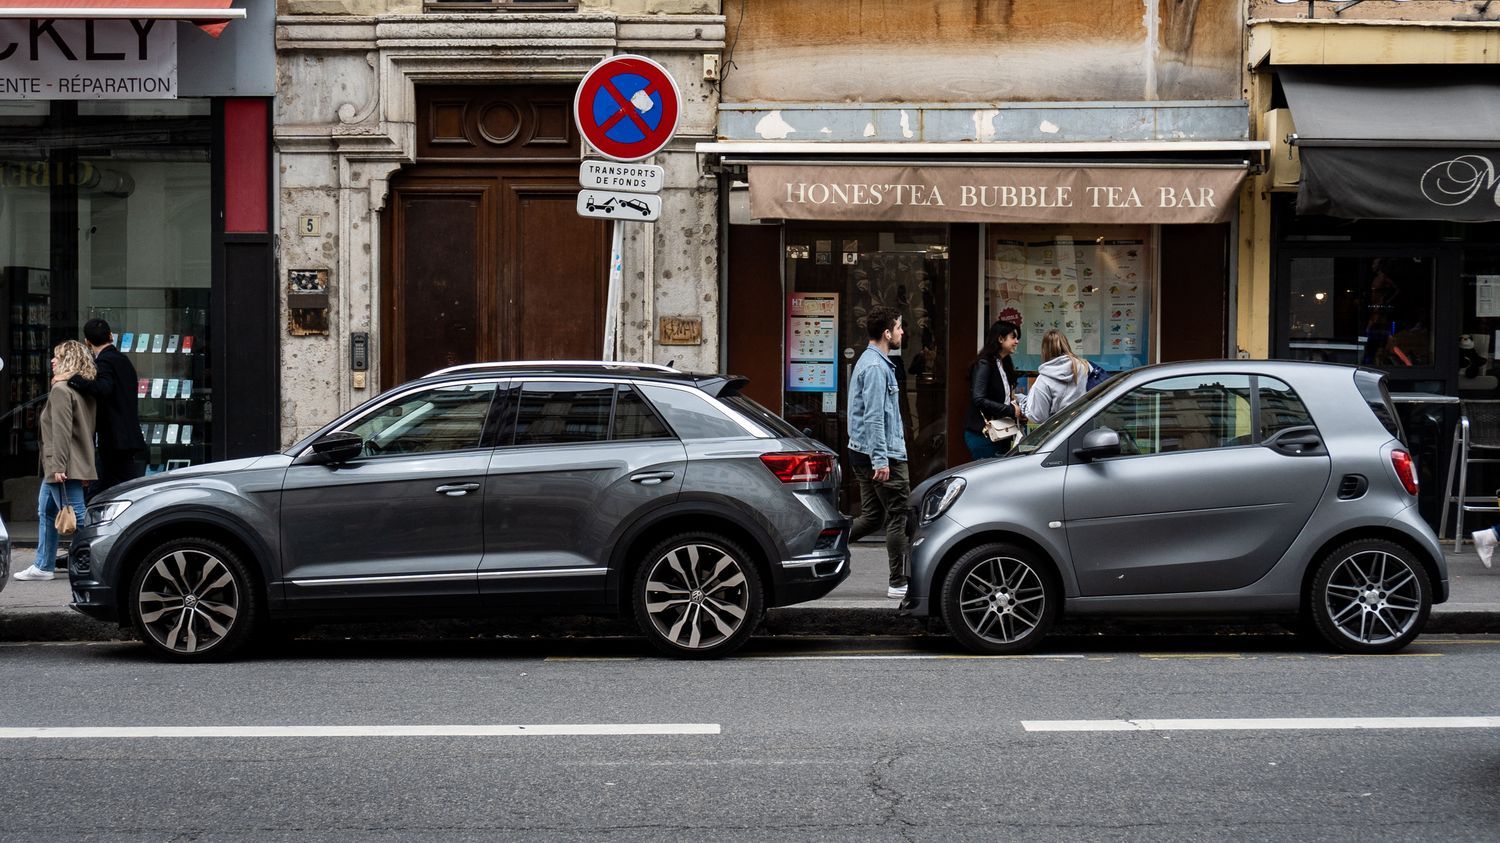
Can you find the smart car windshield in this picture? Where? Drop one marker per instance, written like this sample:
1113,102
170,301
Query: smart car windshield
1037,439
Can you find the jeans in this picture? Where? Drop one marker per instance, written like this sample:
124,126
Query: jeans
49,502
884,504
980,446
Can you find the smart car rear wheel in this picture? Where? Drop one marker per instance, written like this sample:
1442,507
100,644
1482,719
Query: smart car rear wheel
697,596
1370,596
998,598
193,600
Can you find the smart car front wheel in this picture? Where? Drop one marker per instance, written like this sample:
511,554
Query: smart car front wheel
697,595
1370,596
193,600
999,598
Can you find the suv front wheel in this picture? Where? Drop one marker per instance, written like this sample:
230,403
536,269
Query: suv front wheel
697,595
193,600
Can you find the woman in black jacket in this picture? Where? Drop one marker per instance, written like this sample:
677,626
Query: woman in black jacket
992,377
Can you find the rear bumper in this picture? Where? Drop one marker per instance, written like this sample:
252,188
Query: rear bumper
809,578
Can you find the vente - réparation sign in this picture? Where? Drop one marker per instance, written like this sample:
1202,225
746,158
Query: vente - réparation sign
52,59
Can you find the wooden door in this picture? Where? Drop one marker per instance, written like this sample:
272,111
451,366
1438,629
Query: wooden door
485,256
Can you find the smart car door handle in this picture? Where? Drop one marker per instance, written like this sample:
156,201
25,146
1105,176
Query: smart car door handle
651,478
454,490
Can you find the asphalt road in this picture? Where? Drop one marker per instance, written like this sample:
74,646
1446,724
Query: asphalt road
876,739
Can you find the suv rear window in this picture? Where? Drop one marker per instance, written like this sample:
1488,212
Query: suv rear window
757,412
1378,397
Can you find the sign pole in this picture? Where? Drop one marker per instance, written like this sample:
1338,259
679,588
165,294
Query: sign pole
616,278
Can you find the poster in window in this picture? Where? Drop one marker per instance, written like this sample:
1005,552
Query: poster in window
812,342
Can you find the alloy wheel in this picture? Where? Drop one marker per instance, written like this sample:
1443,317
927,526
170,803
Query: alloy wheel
697,596
188,601
1373,597
1002,600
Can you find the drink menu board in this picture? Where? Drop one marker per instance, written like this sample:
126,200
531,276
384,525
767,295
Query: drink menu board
1095,290
812,342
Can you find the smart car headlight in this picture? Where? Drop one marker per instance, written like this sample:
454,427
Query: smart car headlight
940,497
103,513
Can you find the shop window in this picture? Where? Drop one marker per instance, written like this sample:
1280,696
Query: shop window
1094,284
1370,310
634,418
1280,408
449,418
1479,338
1181,414
561,413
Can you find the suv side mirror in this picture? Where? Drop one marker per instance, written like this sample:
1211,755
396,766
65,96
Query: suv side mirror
1097,443
339,446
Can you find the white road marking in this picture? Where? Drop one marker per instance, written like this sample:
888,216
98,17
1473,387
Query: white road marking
1261,723
901,656
495,730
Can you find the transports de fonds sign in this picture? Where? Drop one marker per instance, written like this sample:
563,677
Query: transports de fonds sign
990,193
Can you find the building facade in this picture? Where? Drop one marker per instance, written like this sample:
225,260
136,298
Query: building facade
135,185
427,185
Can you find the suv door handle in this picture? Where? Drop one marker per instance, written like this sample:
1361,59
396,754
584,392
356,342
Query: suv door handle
651,478
457,490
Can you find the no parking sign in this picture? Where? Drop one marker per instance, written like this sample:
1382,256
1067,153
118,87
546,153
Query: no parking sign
627,107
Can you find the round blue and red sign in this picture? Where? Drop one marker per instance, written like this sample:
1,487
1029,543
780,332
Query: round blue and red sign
627,107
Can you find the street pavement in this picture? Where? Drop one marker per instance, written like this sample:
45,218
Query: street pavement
38,611
874,739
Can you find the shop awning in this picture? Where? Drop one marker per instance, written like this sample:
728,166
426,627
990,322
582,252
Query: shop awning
979,192
1397,143
211,16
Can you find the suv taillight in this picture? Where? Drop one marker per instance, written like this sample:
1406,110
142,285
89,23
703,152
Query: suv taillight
800,466
1406,470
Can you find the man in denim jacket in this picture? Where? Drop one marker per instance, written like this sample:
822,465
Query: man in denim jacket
877,444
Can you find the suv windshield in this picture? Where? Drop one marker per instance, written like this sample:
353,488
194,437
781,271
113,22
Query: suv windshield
1037,439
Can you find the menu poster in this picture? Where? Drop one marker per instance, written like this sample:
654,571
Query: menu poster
812,342
1486,296
1121,272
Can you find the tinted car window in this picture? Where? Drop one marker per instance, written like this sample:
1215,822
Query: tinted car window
445,418
691,415
757,412
634,418
1372,387
1280,408
1182,414
557,413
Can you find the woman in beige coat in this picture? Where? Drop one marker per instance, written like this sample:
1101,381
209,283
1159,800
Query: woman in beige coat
66,427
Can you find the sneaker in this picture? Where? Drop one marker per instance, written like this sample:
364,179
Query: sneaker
896,592
1484,544
34,573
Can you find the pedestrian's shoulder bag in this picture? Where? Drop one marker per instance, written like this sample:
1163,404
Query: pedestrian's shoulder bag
1001,431
66,521
1096,376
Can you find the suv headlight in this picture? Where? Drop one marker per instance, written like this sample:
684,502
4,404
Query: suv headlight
103,513
940,497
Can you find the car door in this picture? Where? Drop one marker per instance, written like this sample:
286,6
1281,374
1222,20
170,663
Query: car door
1218,474
402,524
578,460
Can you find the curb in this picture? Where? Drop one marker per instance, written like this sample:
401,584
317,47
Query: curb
69,626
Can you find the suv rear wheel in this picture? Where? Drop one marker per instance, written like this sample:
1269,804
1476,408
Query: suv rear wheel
1370,596
698,595
193,600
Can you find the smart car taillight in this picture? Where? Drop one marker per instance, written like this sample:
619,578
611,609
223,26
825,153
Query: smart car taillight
1406,470
800,466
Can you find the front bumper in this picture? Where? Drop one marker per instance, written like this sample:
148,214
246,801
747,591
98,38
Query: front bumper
88,574
929,544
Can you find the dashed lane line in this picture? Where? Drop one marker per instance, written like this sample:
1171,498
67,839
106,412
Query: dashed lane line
1261,724
377,731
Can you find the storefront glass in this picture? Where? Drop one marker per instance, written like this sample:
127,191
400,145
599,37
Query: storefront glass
106,211
835,274
1361,309
1092,283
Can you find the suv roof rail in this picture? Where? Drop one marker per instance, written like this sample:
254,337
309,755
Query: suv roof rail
559,364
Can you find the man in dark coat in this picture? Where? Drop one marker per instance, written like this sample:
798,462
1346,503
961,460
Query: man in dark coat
118,423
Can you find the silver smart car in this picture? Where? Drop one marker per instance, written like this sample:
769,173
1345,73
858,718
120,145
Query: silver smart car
1226,487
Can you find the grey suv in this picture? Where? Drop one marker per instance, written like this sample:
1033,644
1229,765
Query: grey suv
552,488
1221,487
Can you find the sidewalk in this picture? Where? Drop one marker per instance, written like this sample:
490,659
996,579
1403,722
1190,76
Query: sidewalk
38,611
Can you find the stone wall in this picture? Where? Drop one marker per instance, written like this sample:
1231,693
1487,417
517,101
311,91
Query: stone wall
344,125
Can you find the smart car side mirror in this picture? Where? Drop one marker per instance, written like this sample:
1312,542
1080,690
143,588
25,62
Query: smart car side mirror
1098,443
338,446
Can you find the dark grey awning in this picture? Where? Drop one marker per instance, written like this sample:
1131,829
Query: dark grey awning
1397,143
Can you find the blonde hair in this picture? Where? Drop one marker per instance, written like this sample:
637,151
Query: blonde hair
1055,345
74,359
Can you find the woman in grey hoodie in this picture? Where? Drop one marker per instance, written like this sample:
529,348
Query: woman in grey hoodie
1060,381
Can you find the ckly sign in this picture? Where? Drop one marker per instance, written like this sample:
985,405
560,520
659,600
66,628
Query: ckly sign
48,59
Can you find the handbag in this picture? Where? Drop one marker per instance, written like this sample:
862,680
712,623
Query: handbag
66,521
1000,431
